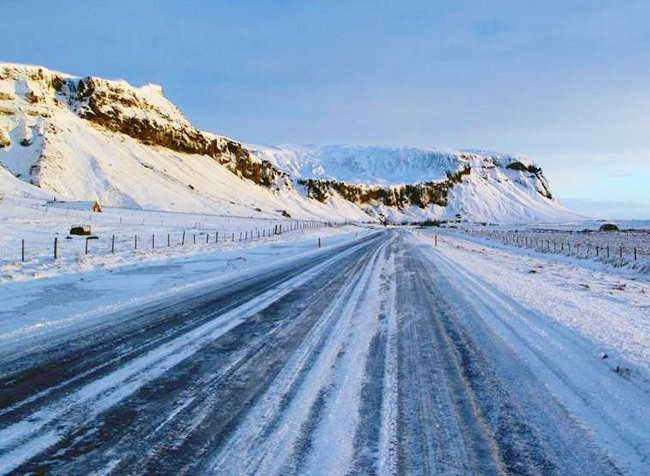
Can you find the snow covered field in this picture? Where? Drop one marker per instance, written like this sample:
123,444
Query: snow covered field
138,235
622,249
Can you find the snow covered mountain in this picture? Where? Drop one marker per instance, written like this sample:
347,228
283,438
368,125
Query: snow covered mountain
95,139
407,184
91,138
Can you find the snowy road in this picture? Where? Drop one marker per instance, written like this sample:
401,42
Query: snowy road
378,356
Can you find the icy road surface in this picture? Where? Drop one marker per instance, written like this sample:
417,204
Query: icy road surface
362,359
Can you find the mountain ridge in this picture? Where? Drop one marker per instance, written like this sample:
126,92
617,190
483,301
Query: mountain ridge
84,137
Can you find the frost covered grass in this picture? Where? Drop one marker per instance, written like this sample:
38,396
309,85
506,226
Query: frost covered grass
628,248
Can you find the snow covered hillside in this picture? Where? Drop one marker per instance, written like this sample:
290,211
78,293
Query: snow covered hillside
418,184
95,139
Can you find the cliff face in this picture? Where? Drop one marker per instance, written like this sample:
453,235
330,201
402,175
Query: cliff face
402,196
142,113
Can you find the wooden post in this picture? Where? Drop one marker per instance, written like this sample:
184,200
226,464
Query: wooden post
153,241
113,244
207,238
56,248
169,240
22,251
319,243
216,237
86,245
183,239
435,239
136,242
634,254
194,238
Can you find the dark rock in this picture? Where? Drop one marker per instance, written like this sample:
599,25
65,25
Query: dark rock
608,227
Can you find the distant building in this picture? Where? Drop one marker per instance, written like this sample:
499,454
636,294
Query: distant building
92,206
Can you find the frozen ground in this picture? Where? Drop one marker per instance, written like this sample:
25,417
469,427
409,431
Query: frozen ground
139,235
628,248
375,354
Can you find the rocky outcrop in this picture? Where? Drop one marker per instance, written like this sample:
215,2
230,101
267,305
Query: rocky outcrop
400,196
535,172
142,113
119,109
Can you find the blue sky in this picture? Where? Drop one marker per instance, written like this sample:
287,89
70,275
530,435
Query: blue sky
564,82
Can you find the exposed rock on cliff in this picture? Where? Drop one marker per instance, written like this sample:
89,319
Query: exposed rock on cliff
95,139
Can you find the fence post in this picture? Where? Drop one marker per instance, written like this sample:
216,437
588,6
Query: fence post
169,240
56,247
207,237
87,245
136,242
113,244
634,254
153,241
319,243
183,240
608,251
22,251
216,237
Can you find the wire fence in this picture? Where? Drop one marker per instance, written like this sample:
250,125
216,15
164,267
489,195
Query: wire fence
47,235
618,248
77,246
